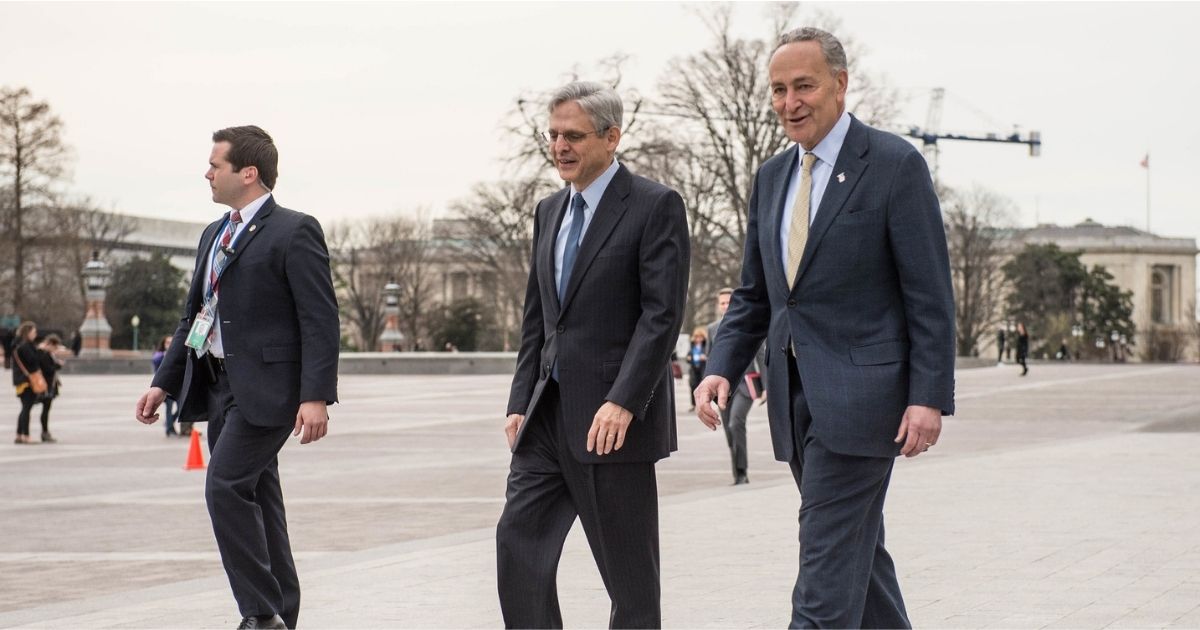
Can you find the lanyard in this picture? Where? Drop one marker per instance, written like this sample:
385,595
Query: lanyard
212,258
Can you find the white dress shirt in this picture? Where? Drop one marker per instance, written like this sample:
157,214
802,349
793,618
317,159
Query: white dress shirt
252,208
827,151
591,197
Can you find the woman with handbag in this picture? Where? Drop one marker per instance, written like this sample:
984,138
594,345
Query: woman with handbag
28,379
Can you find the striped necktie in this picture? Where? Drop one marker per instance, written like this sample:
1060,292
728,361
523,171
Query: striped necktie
214,274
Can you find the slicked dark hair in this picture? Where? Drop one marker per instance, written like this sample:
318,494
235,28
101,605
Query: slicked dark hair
249,145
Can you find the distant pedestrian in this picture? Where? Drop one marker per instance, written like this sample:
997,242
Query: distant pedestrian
6,344
737,409
169,403
697,358
50,364
76,343
1022,348
1000,345
26,371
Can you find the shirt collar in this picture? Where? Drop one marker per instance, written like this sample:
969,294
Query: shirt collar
830,146
595,190
253,207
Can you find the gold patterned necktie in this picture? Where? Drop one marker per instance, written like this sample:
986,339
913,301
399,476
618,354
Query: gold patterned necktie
798,232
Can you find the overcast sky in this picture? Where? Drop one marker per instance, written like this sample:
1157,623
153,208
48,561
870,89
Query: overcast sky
378,108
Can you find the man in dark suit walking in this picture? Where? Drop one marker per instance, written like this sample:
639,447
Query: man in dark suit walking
592,403
846,275
737,410
255,355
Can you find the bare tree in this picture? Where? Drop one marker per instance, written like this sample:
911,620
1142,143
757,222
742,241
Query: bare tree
32,162
528,119
497,222
705,134
977,224
370,253
80,227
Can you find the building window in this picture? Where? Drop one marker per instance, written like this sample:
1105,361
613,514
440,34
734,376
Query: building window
458,286
1162,298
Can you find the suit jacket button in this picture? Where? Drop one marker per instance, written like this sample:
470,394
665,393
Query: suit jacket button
791,303
562,329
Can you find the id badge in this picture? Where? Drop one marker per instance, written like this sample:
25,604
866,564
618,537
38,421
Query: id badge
198,338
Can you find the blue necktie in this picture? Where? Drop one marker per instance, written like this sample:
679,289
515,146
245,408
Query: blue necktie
572,248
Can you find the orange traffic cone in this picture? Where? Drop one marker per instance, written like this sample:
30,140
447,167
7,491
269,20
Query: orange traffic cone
195,458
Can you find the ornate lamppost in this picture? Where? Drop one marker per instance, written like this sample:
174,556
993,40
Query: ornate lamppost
95,331
391,338
134,322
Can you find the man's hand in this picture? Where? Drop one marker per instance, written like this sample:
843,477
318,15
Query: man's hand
313,420
713,387
148,404
919,429
608,428
511,426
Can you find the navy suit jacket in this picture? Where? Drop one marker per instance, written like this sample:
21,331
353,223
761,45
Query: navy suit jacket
872,311
279,321
613,334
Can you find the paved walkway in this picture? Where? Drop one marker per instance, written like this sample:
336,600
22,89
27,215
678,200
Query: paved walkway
1067,499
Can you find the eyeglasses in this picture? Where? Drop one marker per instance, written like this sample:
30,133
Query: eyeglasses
572,137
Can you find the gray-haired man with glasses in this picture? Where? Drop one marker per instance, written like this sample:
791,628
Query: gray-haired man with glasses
592,406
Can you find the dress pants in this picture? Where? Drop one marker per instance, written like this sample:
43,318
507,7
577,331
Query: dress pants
846,577
245,503
547,489
733,420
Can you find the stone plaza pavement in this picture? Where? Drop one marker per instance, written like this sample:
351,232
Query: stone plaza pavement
1069,498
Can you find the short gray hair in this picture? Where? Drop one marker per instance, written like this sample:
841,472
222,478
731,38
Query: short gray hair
601,103
831,48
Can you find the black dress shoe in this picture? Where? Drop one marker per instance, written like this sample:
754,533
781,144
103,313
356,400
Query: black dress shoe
273,622
741,479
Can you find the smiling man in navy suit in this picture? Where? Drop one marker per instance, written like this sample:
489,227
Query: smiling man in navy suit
256,356
846,275
592,403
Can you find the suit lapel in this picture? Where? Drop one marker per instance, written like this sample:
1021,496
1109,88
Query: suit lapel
774,217
200,276
557,206
250,231
611,208
847,172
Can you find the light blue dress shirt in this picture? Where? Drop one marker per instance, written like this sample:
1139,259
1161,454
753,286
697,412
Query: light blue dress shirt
591,197
827,151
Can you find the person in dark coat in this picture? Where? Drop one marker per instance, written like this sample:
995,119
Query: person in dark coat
256,356
1022,348
6,344
25,362
697,358
170,407
50,364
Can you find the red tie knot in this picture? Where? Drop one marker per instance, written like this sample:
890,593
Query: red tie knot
235,216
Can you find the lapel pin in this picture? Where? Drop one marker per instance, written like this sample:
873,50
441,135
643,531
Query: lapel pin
841,178
252,227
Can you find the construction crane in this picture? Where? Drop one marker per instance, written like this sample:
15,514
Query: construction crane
931,133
